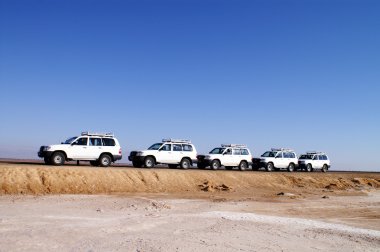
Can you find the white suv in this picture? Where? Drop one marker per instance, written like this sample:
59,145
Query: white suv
99,149
277,159
314,160
170,151
228,155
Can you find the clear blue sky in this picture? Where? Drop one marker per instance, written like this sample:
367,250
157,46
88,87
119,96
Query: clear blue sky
300,74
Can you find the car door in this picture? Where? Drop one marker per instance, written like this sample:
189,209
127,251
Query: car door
280,161
95,147
164,154
177,153
227,157
78,149
236,157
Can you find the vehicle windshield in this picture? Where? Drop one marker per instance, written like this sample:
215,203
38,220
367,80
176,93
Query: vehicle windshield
155,146
306,157
269,154
70,140
217,151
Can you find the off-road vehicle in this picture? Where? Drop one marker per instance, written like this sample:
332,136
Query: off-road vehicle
276,159
314,160
172,152
98,148
228,155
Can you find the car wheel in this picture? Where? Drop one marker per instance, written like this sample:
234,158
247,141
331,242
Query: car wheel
309,168
324,168
105,160
172,166
136,164
149,162
243,165
185,163
229,167
58,158
270,167
291,167
215,165
94,163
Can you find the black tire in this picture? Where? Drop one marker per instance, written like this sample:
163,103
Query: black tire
243,166
149,162
324,168
229,168
94,163
269,167
137,164
215,164
105,160
201,166
47,160
57,158
309,168
185,163
172,166
291,167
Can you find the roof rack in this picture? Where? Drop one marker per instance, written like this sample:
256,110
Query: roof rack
315,152
87,133
282,149
234,145
170,140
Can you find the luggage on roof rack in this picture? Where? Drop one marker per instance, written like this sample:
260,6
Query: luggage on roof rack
87,133
170,140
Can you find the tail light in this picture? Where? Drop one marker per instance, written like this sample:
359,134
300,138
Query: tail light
120,151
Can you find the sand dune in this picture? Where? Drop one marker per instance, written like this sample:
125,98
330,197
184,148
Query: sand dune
41,179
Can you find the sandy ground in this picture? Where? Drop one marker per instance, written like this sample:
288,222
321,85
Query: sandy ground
46,208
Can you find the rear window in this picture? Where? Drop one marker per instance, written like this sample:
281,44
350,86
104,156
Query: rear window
244,152
108,142
187,147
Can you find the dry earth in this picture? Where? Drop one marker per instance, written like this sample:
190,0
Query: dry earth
185,210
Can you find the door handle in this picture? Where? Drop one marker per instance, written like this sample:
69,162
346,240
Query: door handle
84,147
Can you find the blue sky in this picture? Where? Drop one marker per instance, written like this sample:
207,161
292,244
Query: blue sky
299,74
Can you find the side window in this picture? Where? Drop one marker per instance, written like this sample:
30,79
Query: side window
228,152
279,155
292,155
244,152
325,157
81,141
315,157
177,147
237,152
321,157
166,147
187,147
108,142
286,155
95,142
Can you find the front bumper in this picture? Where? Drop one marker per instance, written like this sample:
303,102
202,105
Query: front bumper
44,154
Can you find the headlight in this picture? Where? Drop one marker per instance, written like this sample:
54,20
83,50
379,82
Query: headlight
47,148
207,157
139,153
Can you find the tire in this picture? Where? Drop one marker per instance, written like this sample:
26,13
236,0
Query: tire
229,168
94,163
185,163
324,168
309,168
149,162
47,160
243,165
201,166
172,166
270,167
215,164
105,160
137,164
291,167
58,158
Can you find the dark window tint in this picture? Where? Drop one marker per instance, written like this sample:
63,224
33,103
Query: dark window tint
325,157
177,147
187,147
228,152
166,147
244,152
108,142
279,155
81,141
286,155
292,155
95,142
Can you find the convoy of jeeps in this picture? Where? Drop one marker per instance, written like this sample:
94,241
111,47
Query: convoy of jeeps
103,149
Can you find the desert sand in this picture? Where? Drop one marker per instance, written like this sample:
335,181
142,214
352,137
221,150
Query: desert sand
71,208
